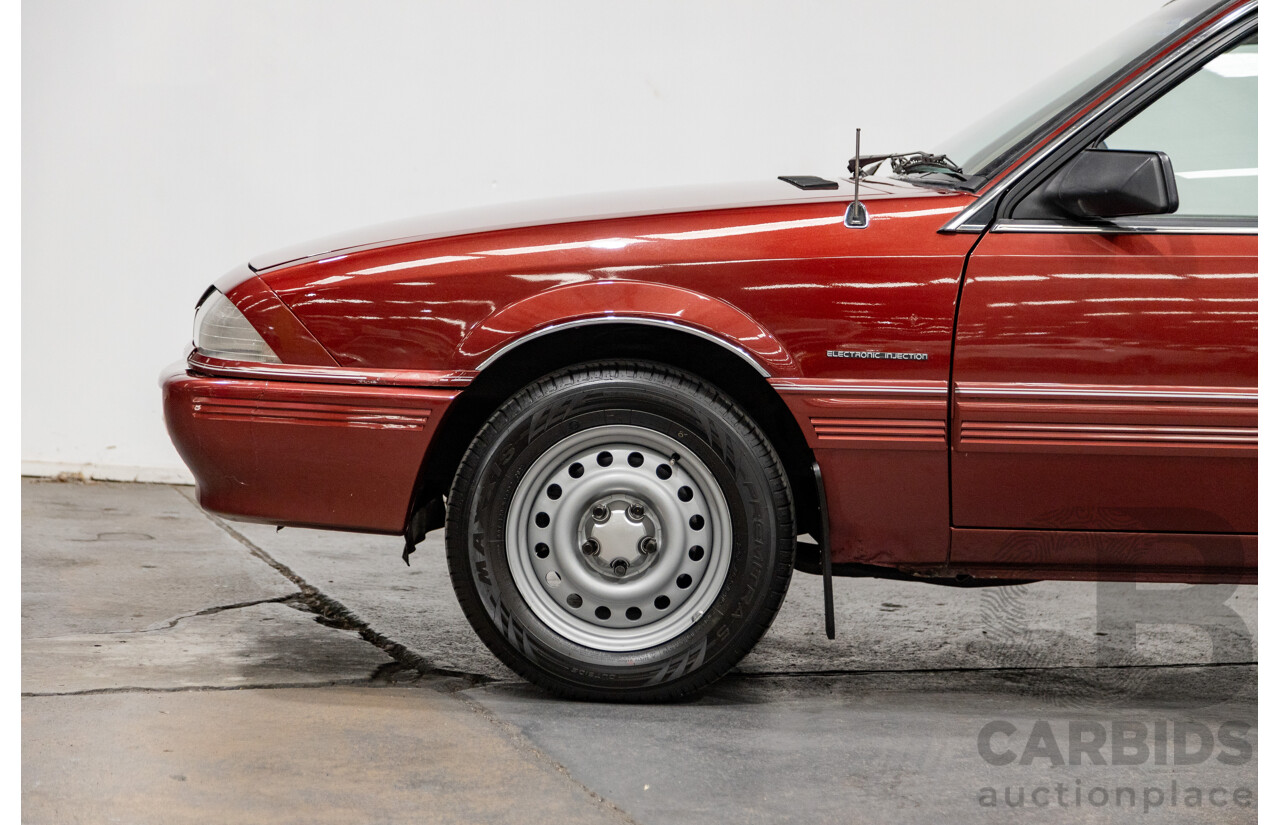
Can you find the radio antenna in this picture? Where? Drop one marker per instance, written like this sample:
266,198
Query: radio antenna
857,161
856,214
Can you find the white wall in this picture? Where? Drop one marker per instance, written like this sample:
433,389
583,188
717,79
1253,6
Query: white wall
166,141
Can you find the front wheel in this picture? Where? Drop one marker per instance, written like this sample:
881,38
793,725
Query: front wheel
620,531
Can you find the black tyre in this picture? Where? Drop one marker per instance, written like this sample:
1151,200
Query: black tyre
620,531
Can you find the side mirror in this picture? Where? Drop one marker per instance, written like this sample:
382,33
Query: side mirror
1105,183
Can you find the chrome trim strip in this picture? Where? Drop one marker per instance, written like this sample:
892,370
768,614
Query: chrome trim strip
957,224
1020,392
860,390
327,375
1175,395
626,319
1047,227
1017,432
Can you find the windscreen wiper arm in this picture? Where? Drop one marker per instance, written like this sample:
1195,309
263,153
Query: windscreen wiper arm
908,162
925,162
869,164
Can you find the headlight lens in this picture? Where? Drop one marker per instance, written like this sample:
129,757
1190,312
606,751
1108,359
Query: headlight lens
222,332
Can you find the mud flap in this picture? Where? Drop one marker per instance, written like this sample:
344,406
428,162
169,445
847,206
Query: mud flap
824,547
426,518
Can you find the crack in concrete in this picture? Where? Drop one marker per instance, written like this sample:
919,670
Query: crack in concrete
390,674
363,682
208,611
333,613
412,669
171,623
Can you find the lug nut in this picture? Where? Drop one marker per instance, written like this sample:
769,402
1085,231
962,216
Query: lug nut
636,512
590,547
600,512
620,567
648,545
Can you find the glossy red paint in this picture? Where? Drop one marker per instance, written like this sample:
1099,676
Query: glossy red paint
1108,382
882,446
305,454
784,284
1066,404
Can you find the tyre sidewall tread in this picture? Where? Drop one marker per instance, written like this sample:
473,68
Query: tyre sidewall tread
692,413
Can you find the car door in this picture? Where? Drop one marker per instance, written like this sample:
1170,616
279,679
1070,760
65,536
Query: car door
1105,373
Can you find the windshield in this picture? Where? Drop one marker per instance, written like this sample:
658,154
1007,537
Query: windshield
981,149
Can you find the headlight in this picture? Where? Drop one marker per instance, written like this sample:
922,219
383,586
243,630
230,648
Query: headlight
222,332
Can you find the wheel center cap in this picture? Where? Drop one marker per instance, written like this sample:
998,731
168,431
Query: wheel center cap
620,525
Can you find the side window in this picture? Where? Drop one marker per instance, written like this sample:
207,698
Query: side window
1208,126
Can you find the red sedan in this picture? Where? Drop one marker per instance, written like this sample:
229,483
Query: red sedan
1029,354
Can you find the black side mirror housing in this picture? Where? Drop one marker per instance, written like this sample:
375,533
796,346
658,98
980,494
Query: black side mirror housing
1106,183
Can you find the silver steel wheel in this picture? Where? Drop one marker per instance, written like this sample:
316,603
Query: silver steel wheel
618,538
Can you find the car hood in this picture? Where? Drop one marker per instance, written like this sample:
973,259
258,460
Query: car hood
581,208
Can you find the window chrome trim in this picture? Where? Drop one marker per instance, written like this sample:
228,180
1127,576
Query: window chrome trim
627,319
960,223
1055,227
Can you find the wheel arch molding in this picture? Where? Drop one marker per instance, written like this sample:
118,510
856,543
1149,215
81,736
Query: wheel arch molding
561,345
634,302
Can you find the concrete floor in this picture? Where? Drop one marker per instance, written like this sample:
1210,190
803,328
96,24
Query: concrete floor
177,668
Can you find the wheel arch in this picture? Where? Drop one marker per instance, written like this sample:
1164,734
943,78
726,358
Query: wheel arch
612,301
720,363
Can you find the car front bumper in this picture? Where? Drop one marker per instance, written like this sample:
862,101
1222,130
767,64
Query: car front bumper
290,452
